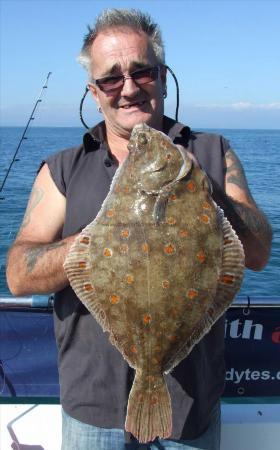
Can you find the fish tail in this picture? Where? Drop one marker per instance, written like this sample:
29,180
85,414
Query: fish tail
149,409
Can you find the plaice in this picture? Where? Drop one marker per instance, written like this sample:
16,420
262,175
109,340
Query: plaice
156,268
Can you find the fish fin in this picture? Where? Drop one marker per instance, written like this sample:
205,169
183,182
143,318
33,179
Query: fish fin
229,283
206,183
149,412
232,272
160,207
77,268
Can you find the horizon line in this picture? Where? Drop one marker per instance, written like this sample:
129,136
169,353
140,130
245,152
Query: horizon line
194,127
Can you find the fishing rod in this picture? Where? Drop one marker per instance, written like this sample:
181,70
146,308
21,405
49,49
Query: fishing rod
24,132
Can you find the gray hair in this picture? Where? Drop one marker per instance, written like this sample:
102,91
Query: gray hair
131,18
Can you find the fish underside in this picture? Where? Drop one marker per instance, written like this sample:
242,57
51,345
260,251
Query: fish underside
156,268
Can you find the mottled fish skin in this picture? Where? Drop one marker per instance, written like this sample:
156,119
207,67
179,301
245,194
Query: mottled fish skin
156,268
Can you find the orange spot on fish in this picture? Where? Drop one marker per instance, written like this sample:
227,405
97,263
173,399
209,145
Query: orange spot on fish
157,349
129,278
183,232
201,256
114,299
84,240
174,312
227,279
204,218
110,237
125,233
172,338
165,284
171,220
206,205
145,247
150,378
168,156
173,197
192,293
82,264
88,287
227,241
155,360
190,185
154,400
110,213
133,349
169,249
123,248
147,318
107,252
126,189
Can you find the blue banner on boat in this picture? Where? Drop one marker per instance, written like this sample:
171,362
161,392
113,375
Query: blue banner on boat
28,356
252,352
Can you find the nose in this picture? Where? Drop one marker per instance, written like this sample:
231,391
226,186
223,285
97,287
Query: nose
130,88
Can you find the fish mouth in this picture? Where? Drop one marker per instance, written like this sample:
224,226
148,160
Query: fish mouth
155,169
140,127
160,169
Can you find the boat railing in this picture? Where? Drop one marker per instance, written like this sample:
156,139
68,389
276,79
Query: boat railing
34,302
44,302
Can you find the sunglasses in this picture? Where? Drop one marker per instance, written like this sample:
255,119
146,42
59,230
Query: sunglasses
142,76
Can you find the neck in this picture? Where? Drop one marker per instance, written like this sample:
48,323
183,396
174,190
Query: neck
118,143
118,146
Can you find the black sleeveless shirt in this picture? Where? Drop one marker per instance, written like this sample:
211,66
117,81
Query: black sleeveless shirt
95,380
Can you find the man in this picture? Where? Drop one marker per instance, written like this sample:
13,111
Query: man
125,59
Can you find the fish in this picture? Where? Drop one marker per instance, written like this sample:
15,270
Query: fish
156,268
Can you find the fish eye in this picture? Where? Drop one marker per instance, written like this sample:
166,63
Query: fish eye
142,139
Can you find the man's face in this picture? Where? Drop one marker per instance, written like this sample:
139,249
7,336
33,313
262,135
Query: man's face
123,51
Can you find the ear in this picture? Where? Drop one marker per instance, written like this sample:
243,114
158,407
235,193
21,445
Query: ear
93,90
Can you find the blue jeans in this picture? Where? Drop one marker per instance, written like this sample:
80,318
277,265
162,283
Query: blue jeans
80,436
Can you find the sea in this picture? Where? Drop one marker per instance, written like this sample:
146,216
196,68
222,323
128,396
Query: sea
258,150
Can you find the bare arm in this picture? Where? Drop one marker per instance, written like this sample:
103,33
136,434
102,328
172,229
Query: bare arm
35,260
246,218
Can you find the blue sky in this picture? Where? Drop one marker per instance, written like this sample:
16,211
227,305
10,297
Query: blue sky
226,55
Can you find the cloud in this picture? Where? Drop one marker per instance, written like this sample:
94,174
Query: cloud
241,106
249,105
